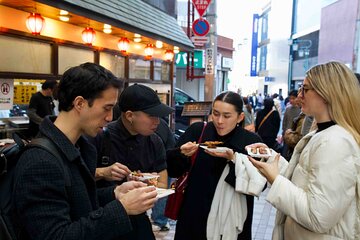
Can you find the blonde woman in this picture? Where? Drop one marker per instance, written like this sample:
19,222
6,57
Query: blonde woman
318,196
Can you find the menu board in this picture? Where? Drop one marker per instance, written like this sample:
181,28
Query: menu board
23,93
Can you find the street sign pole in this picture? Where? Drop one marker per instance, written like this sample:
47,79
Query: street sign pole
211,48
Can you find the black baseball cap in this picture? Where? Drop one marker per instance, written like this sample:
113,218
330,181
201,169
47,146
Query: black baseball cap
139,97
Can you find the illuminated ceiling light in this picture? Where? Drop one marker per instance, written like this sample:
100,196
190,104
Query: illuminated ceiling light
137,37
35,23
64,12
107,29
149,50
124,45
159,44
169,55
88,35
64,16
176,49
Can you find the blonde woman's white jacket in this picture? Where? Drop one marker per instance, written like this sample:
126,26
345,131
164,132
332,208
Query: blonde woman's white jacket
321,199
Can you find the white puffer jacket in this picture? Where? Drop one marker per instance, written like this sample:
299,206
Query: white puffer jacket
322,200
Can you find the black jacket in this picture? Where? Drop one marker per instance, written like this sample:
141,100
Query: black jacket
204,177
58,199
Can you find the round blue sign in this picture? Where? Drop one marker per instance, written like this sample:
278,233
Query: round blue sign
201,27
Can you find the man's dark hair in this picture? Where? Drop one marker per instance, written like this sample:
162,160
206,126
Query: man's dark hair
49,84
231,98
293,93
88,80
268,104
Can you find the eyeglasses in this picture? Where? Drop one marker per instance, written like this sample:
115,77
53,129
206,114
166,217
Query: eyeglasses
304,89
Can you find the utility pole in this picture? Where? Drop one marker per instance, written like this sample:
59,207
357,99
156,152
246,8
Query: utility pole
211,54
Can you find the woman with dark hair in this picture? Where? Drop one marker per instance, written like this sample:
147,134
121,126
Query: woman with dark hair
267,124
227,113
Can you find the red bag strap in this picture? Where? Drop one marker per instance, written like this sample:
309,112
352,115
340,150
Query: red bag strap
193,157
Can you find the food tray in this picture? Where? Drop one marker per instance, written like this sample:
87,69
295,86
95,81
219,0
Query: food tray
217,149
162,192
258,154
143,176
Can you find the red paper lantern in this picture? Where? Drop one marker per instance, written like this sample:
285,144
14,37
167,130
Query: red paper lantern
149,50
169,55
35,23
88,35
124,45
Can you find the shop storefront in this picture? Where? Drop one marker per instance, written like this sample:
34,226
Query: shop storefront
133,39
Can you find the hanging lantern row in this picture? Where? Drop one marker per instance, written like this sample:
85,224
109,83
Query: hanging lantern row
36,23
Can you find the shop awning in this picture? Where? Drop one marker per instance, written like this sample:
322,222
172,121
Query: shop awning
134,16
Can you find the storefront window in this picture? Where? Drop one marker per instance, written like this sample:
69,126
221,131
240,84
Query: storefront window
71,57
26,56
139,69
114,63
161,71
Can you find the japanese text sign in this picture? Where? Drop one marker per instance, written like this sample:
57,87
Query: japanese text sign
201,6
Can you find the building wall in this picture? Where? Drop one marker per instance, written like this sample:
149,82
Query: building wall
277,57
225,46
194,88
338,31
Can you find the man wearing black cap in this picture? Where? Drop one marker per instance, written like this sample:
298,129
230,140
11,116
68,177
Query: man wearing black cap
135,146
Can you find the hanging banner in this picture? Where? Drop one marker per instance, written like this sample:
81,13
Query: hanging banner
201,6
254,45
6,93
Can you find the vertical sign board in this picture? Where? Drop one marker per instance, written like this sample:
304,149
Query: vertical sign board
254,45
209,62
6,93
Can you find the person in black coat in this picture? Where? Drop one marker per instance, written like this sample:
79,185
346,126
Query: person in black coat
57,198
267,124
204,176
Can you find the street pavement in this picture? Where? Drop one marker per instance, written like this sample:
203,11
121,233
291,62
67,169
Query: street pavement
263,221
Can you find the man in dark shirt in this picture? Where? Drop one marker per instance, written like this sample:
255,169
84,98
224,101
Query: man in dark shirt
57,198
135,146
41,105
160,222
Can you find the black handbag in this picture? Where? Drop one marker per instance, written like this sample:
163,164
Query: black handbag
175,200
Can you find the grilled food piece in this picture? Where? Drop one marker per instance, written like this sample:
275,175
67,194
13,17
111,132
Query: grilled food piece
212,144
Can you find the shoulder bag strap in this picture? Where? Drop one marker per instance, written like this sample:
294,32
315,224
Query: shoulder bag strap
264,119
46,144
193,157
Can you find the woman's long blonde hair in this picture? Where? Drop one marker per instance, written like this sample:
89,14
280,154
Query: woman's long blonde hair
339,87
